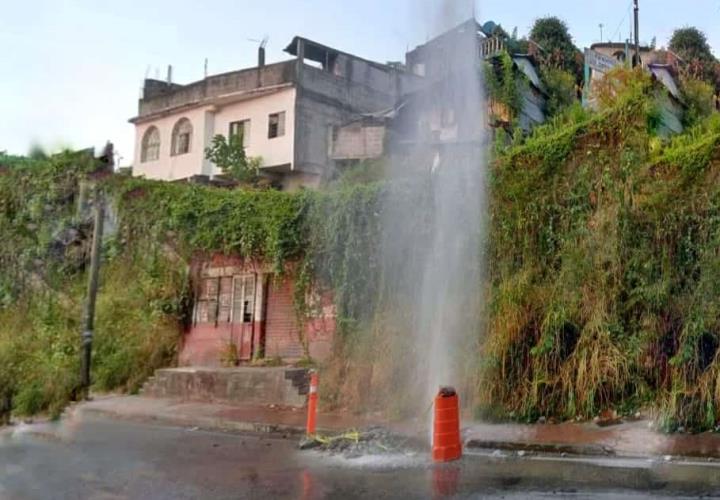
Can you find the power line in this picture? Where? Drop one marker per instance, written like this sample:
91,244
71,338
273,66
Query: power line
620,26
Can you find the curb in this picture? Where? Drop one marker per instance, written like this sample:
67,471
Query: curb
284,430
205,423
209,423
554,449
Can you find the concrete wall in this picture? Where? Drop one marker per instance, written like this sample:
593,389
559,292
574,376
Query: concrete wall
274,152
617,50
315,102
207,121
215,86
168,167
280,386
326,101
372,76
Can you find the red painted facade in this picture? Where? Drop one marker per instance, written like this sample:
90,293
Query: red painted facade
244,307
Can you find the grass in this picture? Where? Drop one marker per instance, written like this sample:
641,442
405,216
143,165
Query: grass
603,282
134,335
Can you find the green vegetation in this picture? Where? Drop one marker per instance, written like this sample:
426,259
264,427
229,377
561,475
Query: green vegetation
503,83
604,269
602,282
229,155
698,61
42,261
699,98
556,48
145,290
560,87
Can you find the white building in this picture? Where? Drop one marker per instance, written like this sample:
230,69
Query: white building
287,113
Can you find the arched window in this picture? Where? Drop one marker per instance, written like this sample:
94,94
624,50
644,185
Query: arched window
181,137
150,145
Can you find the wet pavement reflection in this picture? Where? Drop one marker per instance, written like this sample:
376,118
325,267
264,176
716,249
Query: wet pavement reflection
96,458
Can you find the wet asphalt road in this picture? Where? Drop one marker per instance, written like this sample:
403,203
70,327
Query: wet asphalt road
98,458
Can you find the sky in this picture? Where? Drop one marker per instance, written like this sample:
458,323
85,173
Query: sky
71,70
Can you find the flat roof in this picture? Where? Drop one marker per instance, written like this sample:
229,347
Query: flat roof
317,51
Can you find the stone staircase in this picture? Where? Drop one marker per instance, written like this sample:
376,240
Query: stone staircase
280,386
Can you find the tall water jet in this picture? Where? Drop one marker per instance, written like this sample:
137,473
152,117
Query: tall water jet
440,157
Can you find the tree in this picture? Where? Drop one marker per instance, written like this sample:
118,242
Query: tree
560,87
699,99
691,45
37,152
556,47
230,157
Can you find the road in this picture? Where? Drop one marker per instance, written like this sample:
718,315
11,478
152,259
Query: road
98,458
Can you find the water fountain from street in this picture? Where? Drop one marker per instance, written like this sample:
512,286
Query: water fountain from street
442,156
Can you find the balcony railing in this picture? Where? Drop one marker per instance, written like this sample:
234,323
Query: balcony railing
490,47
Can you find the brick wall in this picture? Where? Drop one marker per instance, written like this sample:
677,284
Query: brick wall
274,329
203,344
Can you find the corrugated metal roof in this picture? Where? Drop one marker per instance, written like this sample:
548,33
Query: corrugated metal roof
528,68
664,76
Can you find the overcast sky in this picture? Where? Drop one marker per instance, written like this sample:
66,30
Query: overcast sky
71,70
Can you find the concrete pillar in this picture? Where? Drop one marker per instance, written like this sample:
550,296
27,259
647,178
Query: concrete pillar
208,134
300,61
261,290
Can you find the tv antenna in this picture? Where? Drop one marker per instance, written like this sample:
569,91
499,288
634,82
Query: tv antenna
261,49
263,43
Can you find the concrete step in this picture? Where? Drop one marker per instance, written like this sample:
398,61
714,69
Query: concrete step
280,386
147,386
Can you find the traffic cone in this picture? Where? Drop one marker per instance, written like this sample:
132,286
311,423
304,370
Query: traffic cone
446,426
312,404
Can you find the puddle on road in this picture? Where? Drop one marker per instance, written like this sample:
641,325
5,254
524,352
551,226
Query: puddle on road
384,461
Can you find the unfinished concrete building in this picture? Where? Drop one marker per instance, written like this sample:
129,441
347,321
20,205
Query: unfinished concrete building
287,114
421,116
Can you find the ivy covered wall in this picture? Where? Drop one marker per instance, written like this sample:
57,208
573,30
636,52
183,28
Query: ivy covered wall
602,284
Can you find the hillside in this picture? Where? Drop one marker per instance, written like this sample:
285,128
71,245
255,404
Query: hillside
603,274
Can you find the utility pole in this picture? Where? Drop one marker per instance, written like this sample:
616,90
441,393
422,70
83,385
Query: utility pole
601,25
636,61
91,298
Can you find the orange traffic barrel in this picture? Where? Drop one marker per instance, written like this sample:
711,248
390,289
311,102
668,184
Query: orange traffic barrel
312,405
446,426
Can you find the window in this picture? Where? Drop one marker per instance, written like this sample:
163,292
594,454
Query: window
276,125
150,148
243,298
241,129
181,137
226,299
207,306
